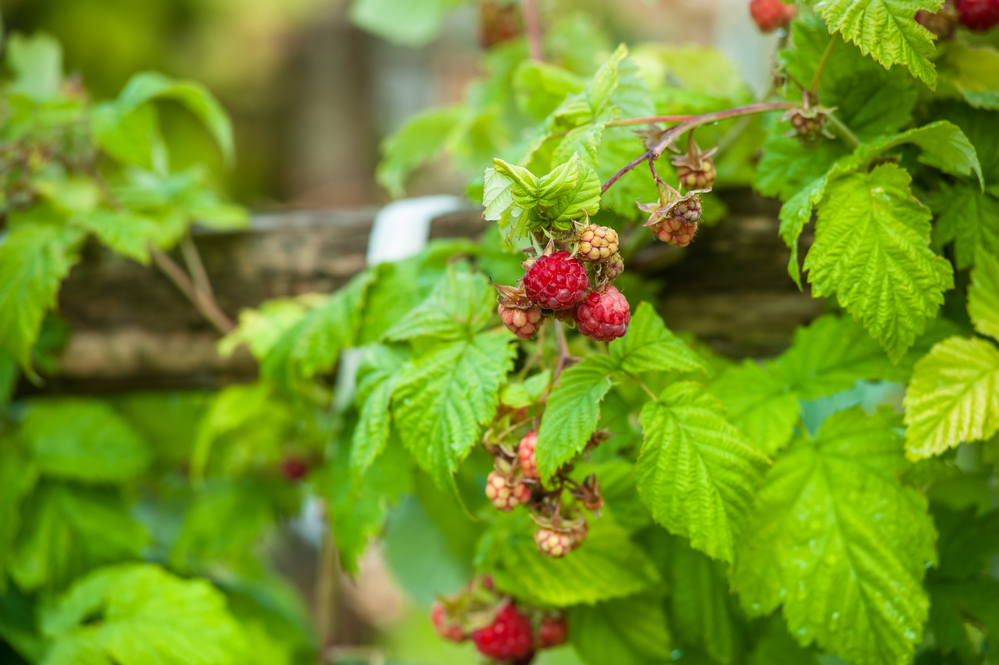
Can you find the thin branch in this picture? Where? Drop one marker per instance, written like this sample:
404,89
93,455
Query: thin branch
201,302
651,120
673,133
564,357
195,266
844,131
326,592
814,88
532,26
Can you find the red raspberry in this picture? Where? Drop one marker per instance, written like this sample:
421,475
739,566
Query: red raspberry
506,496
604,316
702,178
522,322
771,14
978,15
597,243
556,281
555,544
553,631
294,468
445,626
528,461
508,637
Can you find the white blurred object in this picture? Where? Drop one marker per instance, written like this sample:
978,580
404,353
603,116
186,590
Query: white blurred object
401,228
738,37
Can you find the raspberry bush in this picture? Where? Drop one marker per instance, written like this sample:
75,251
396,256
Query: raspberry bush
616,491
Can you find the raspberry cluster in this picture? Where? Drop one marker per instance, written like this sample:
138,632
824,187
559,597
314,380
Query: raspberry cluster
978,15
500,627
572,286
517,482
674,218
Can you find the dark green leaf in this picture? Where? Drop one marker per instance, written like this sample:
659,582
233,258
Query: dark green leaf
650,346
626,631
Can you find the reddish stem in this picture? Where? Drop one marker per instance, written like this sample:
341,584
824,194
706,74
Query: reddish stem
532,26
673,133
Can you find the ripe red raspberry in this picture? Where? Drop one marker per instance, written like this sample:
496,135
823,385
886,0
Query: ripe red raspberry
446,626
604,316
553,631
597,243
522,322
525,451
555,544
508,637
675,233
504,495
294,468
556,281
771,14
978,15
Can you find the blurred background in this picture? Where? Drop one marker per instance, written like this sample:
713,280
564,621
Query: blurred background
311,94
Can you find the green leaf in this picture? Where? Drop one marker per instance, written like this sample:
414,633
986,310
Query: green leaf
572,413
969,218
788,165
441,401
497,195
585,198
525,184
838,540
313,345
34,259
649,346
967,540
126,233
420,139
609,566
83,439
625,631
944,145
887,31
759,403
541,87
560,182
137,614
131,139
972,72
406,22
17,478
245,511
374,394
983,295
359,505
979,126
521,395
149,86
703,612
955,604
830,355
696,472
871,250
36,63
777,647
260,329
67,530
953,397
461,304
